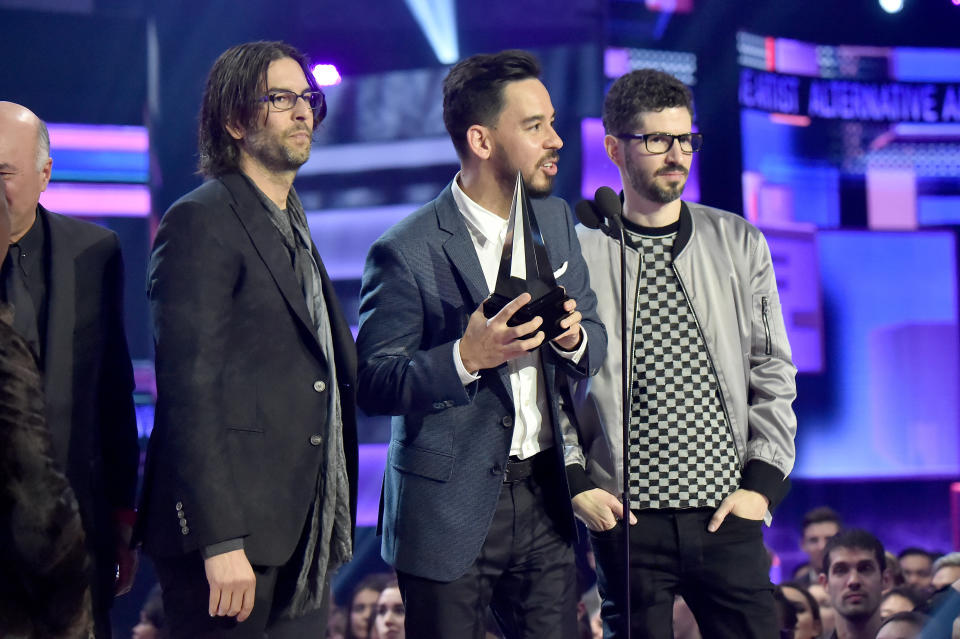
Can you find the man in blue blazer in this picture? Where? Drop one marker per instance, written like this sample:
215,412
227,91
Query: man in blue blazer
476,509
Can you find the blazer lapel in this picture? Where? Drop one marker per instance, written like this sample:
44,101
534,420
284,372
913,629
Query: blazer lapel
61,317
459,247
266,241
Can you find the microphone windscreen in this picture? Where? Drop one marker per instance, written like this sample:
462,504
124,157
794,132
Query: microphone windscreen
608,203
587,214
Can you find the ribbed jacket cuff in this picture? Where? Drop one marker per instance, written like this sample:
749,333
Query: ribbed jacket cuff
763,478
578,479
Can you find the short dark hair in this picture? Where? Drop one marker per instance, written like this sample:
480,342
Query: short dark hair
855,538
473,90
811,600
639,92
236,81
913,550
820,515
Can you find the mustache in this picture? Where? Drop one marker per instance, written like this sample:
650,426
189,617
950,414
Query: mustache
552,157
670,168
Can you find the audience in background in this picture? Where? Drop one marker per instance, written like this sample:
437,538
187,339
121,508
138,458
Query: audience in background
786,614
855,575
917,567
900,599
808,624
819,525
152,624
827,613
363,604
903,625
946,570
893,567
388,621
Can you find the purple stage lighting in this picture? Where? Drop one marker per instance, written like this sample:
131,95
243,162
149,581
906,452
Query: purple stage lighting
326,75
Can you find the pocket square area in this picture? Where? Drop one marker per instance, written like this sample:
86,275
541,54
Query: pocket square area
560,271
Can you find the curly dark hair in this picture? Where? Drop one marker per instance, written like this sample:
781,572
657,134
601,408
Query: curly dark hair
473,90
639,92
236,81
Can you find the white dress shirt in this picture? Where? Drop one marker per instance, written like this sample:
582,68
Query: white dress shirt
532,430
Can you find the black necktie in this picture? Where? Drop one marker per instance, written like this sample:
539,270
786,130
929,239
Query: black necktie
18,296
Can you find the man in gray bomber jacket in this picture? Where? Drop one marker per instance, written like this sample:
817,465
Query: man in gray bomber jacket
711,380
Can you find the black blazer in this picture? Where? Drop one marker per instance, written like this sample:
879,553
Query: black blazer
88,382
242,381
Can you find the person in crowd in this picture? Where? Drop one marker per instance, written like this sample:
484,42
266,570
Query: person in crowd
946,570
64,281
899,599
896,574
819,525
855,576
44,592
786,614
827,613
363,604
711,424
476,508
152,624
249,494
388,622
809,624
917,567
902,625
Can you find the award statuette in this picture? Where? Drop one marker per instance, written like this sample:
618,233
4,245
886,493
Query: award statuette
529,273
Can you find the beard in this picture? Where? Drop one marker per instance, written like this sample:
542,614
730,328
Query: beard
507,174
648,186
273,150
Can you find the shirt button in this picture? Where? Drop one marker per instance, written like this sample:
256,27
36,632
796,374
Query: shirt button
183,523
179,505
507,421
319,386
315,440
185,530
180,515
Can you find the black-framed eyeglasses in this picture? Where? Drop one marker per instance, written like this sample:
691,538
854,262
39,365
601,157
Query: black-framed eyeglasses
286,100
658,143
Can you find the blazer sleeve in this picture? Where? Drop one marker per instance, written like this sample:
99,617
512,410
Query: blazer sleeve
118,421
576,283
402,368
192,275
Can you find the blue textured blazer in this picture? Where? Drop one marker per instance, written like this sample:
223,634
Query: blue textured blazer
449,443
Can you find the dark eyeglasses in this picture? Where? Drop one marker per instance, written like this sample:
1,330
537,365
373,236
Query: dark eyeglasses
286,100
658,143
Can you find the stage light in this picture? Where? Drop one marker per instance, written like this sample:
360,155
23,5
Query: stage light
438,21
326,75
891,6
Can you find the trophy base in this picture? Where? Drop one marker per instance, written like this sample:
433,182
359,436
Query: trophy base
549,307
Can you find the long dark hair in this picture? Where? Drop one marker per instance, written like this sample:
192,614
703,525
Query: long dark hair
236,81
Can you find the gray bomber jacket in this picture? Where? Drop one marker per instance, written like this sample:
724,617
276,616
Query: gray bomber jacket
724,267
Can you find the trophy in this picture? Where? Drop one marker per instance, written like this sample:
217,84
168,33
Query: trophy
524,268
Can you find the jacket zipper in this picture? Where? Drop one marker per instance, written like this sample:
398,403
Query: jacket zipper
713,368
766,326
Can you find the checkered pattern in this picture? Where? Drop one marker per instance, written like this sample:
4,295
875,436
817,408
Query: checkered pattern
681,450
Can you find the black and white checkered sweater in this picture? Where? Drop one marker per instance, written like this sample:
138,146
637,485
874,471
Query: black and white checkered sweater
681,451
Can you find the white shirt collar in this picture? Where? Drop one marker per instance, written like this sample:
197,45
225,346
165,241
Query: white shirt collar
484,225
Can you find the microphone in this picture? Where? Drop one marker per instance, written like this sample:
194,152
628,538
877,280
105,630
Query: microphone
607,204
587,214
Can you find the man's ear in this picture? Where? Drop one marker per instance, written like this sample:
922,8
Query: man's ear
45,174
236,132
614,148
822,578
479,141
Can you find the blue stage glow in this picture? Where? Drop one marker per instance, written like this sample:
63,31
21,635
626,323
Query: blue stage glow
437,19
326,75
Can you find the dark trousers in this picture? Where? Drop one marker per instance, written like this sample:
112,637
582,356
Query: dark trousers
186,596
525,573
723,576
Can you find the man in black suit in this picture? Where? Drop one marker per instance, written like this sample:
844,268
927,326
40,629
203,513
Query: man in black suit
64,278
250,488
